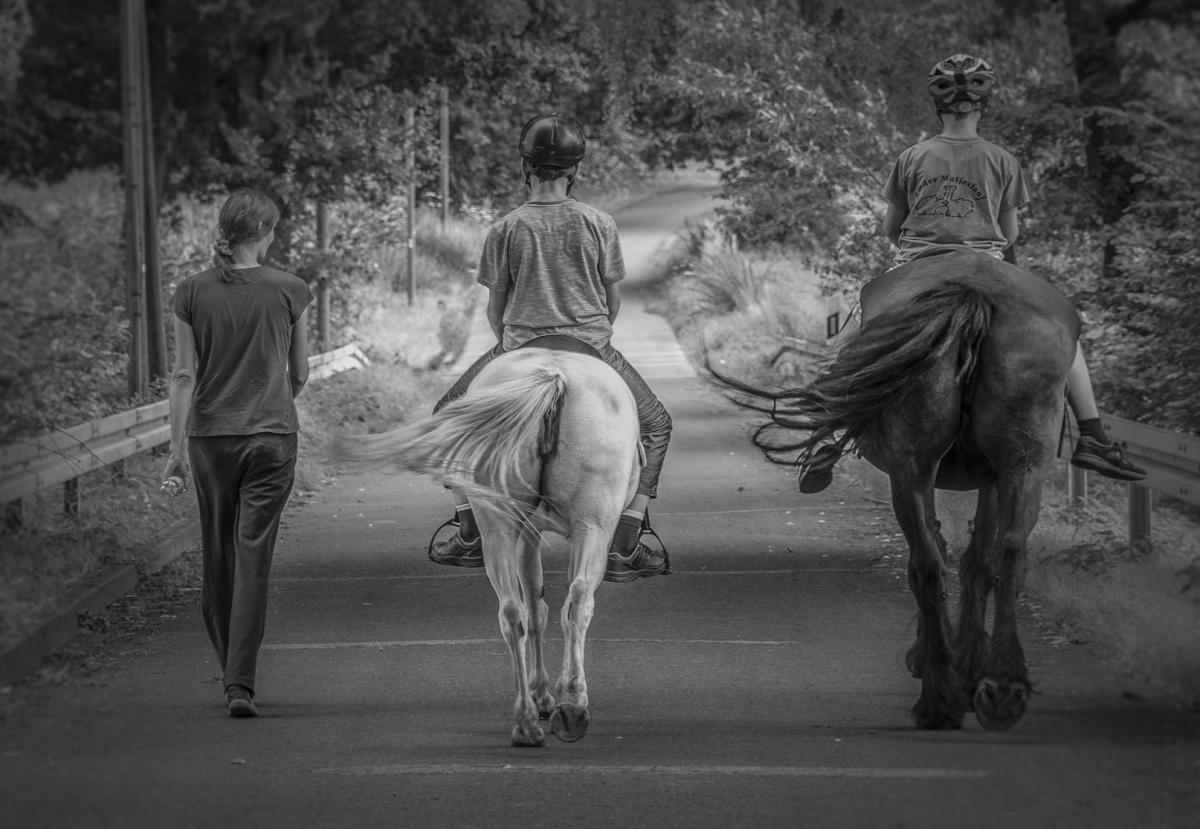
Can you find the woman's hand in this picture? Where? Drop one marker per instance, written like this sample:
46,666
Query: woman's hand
177,466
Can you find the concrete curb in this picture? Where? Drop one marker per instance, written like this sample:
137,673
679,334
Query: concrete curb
19,657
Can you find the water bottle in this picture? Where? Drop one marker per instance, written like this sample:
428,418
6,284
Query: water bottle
173,485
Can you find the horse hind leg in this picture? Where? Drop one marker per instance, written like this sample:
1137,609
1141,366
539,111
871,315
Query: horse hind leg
588,558
536,610
942,703
1003,691
503,572
976,575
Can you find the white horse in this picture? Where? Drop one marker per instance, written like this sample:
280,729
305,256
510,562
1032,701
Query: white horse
543,440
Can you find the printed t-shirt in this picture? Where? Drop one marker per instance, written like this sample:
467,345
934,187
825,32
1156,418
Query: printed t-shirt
243,332
954,191
555,258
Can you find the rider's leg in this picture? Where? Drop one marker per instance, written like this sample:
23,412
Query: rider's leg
463,548
1093,450
626,553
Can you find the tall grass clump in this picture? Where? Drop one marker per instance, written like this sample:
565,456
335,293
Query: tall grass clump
739,306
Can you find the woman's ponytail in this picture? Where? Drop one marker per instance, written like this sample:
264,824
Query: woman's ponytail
247,216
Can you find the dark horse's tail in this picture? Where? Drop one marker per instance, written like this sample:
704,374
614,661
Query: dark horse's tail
871,372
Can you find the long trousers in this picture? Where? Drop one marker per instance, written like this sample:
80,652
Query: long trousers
242,485
653,420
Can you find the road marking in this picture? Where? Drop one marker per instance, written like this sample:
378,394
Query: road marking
478,573
428,643
783,510
678,771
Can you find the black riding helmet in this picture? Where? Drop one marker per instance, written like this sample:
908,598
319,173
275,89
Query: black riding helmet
552,140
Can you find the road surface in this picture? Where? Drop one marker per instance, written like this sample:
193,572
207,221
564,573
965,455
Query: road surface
762,684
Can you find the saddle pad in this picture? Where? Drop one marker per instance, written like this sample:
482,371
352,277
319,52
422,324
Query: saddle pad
562,342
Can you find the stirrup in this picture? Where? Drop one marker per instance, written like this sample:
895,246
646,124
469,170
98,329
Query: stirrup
453,522
648,531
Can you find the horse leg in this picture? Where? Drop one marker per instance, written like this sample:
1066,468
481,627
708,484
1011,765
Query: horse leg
589,545
1003,691
503,540
534,591
914,660
976,573
942,703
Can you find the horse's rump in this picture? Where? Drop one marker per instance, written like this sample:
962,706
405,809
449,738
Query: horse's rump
500,440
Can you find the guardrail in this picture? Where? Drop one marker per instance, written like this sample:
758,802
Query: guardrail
61,457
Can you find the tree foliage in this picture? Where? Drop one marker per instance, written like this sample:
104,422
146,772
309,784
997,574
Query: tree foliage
803,103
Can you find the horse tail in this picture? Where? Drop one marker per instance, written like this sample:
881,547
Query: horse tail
481,443
873,370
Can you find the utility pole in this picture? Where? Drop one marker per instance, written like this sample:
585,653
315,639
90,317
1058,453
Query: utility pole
445,131
410,120
156,345
132,14
323,279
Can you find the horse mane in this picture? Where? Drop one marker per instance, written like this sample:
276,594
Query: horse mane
872,372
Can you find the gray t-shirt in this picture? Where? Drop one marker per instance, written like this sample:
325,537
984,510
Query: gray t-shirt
243,332
555,258
955,190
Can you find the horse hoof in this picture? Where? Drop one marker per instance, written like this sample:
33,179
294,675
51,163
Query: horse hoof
569,722
546,706
999,704
525,738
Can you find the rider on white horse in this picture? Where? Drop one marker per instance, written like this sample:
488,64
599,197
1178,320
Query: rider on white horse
959,190
552,266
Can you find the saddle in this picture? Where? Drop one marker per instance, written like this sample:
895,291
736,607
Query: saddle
562,342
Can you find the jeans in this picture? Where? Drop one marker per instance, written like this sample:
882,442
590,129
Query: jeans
653,420
242,485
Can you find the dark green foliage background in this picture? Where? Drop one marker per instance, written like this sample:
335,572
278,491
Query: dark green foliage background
802,103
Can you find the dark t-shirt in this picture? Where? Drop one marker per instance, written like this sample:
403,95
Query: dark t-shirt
243,332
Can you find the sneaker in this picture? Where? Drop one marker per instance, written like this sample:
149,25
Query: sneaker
641,563
817,474
1106,458
240,702
457,551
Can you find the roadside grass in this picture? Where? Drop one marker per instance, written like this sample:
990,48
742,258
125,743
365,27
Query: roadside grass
1139,608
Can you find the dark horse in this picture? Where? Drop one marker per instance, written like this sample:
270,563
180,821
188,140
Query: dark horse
955,381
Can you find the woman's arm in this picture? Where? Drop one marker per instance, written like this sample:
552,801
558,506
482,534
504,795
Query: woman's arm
298,354
179,397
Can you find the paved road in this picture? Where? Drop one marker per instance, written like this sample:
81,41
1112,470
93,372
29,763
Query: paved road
761,684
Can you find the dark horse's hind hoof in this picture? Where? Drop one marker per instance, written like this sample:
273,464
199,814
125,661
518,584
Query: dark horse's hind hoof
999,704
569,722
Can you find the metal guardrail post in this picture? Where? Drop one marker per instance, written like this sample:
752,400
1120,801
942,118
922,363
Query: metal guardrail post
1139,513
1076,485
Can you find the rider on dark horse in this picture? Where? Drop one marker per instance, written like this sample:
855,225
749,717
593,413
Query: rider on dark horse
959,190
552,267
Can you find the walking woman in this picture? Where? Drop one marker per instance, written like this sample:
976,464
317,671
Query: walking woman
240,360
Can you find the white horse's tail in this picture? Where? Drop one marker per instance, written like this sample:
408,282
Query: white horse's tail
476,443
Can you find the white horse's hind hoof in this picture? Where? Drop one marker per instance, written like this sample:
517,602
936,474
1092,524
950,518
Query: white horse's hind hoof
524,738
569,723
